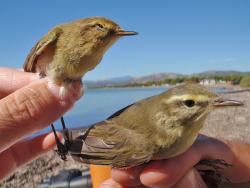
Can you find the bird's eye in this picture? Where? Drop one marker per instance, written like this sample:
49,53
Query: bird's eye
189,103
99,26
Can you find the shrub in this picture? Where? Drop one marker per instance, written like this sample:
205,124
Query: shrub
245,81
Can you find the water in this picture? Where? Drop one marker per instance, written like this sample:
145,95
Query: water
98,104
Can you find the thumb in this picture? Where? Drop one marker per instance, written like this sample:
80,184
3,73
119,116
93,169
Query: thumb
30,109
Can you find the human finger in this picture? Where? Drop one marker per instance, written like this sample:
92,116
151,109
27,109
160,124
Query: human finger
30,109
24,152
13,79
128,177
166,173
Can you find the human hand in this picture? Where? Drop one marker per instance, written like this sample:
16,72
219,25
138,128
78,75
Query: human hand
27,105
179,172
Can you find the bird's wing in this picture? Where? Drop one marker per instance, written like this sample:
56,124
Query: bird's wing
39,48
109,144
119,111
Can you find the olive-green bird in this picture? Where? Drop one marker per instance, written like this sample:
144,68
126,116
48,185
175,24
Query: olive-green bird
70,50
158,127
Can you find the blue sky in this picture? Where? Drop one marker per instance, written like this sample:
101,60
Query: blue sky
174,36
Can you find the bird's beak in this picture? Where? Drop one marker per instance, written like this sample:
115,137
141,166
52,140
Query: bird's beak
220,102
125,33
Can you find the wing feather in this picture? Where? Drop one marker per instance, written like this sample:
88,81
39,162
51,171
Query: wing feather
120,111
109,144
39,48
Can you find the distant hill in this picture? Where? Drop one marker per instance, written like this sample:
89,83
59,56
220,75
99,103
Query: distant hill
118,81
156,77
108,82
125,80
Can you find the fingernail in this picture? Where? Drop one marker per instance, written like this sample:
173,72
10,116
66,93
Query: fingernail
109,184
71,92
61,93
105,185
156,179
48,141
55,90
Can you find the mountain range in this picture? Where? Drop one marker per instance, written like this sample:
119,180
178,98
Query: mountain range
125,80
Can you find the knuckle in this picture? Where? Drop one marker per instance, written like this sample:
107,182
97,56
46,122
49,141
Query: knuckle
25,105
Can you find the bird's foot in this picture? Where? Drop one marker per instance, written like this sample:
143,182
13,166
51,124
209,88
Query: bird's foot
62,151
211,172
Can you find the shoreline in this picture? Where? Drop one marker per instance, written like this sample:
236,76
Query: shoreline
226,86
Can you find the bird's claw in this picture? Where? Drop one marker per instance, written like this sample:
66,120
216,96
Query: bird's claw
62,152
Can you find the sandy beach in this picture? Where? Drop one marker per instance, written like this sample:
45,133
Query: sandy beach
229,123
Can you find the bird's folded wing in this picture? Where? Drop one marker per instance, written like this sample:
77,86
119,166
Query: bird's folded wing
109,144
39,48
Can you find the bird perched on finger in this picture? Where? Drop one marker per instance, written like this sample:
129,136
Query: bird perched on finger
70,50
158,127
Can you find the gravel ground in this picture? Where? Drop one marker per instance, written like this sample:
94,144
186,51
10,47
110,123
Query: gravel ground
229,123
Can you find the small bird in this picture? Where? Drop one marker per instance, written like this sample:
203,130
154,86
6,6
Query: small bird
70,50
158,127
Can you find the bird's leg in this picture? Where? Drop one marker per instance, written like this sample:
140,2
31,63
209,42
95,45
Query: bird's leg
62,149
70,88
210,170
65,133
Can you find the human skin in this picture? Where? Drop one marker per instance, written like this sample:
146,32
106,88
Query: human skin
179,172
28,104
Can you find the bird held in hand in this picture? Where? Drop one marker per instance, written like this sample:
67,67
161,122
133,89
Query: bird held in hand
154,128
70,50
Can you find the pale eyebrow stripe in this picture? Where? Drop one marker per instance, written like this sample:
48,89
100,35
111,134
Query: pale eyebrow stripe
188,97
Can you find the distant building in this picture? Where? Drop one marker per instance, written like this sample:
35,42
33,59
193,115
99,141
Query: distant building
206,82
222,81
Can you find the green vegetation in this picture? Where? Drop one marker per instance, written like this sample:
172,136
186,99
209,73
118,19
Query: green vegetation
234,79
245,81
242,79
